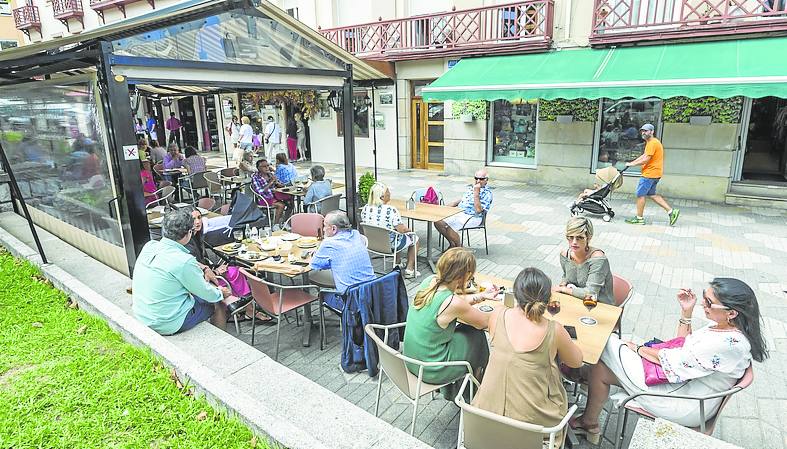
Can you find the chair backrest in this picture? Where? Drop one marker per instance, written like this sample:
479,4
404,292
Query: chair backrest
743,383
158,169
621,290
261,293
328,204
379,238
167,193
418,195
229,172
391,360
307,225
163,184
206,203
225,209
214,185
198,180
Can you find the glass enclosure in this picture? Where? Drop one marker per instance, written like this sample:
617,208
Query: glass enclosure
236,37
617,138
53,137
361,117
513,139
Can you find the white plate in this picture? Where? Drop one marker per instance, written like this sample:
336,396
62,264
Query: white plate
202,211
290,237
588,321
159,209
306,245
246,257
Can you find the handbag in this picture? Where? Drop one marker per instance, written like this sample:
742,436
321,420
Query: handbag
430,196
654,375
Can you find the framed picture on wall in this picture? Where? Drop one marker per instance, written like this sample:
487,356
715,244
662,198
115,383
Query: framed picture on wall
379,120
386,99
324,108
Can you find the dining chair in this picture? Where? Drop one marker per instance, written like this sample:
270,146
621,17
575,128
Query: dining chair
263,204
466,231
225,209
193,184
214,186
626,404
305,224
206,203
165,196
417,196
379,242
324,205
621,291
394,365
275,300
482,429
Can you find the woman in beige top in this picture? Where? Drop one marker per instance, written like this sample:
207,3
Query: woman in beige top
522,380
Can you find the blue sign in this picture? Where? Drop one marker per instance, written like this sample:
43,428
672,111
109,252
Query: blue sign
452,63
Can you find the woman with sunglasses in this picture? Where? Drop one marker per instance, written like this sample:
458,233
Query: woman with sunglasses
712,359
585,268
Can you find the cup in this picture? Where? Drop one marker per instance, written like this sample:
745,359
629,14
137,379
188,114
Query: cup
590,301
553,306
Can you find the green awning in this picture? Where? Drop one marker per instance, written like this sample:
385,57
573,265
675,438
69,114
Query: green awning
749,67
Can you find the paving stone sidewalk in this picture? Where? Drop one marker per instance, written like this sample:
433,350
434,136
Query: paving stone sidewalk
526,226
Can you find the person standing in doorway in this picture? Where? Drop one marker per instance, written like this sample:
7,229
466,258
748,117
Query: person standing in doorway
272,138
300,131
150,126
173,125
292,139
652,162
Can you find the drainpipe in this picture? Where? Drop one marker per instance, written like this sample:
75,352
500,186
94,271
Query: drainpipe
568,19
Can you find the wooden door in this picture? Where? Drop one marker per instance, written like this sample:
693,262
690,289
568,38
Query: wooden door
428,134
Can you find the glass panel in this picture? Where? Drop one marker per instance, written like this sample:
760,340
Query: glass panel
418,134
514,132
235,37
436,133
361,117
435,154
619,139
436,112
55,144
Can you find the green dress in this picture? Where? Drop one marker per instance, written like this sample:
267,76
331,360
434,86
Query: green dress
426,341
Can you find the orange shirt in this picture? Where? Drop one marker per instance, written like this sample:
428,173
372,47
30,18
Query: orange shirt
654,168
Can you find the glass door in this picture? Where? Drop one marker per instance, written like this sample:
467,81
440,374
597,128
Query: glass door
428,134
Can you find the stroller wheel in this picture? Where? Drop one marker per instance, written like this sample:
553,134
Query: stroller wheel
607,218
575,211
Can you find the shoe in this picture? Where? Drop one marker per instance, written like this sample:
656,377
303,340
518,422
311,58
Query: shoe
673,216
411,274
592,434
635,220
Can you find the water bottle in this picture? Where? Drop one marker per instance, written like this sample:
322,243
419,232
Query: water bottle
247,233
255,233
410,205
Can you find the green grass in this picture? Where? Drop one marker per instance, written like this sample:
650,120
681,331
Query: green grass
68,381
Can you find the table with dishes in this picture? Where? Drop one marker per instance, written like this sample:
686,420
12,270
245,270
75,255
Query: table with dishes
156,214
298,190
283,253
429,213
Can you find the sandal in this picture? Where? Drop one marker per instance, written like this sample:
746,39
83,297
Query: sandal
592,434
261,317
411,274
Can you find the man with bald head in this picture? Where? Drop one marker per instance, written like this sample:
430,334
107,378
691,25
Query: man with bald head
476,201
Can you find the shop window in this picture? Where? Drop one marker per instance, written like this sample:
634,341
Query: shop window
361,127
617,135
7,43
513,132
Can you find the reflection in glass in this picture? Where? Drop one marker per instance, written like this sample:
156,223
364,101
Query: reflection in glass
361,116
619,137
514,132
435,154
436,133
53,137
436,112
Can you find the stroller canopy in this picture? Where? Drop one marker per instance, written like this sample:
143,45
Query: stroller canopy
609,175
244,211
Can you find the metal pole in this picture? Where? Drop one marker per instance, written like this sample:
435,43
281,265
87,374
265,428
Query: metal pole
15,192
348,123
374,135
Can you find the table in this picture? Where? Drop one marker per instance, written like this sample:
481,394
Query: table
429,213
174,175
668,435
283,268
298,192
590,339
154,215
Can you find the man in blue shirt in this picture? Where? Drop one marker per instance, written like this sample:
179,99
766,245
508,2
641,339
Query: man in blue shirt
319,189
342,259
476,202
171,294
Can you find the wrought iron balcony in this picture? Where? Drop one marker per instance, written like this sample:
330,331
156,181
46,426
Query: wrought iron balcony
629,21
510,28
68,9
99,6
26,18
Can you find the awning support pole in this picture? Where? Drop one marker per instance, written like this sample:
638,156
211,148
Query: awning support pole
348,122
17,194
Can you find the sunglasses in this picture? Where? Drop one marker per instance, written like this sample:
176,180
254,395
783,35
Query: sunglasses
481,179
711,305
579,238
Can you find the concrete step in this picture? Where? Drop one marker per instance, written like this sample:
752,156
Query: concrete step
736,199
759,190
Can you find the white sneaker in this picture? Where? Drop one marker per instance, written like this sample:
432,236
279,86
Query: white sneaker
411,274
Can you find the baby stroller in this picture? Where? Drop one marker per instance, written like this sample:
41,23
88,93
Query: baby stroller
595,202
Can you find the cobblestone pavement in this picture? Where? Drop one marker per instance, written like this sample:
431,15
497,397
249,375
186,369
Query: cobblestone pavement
526,227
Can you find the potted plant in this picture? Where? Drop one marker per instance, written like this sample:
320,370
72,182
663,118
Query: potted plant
365,184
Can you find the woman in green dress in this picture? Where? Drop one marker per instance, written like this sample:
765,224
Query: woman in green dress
432,333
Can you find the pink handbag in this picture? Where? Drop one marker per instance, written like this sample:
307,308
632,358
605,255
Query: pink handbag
430,196
654,375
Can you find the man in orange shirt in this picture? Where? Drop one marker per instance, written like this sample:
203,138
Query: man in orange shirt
652,162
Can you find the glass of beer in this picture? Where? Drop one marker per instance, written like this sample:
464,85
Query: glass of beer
553,306
590,301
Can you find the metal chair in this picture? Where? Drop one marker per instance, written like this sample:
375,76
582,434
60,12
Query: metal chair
393,365
307,225
483,429
159,170
215,188
164,184
379,242
621,290
193,184
225,209
466,230
706,424
290,297
263,204
324,205
229,172
206,203
165,196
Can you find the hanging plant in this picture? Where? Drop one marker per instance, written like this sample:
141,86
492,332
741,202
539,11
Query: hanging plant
479,109
721,110
306,99
583,110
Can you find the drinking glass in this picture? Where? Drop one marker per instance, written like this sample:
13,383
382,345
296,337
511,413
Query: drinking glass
553,306
590,301
237,234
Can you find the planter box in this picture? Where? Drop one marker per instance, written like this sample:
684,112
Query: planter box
466,118
700,120
564,119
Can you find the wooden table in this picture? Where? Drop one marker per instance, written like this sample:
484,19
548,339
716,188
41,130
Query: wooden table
300,193
590,339
155,215
428,213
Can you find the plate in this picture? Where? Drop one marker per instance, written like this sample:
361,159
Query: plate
308,240
231,247
290,237
486,308
588,321
202,211
306,245
253,256
267,246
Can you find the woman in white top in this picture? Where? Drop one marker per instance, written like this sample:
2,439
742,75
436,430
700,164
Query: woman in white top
711,360
246,134
378,212
234,131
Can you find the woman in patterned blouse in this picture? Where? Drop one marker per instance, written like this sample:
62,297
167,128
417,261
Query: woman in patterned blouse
378,212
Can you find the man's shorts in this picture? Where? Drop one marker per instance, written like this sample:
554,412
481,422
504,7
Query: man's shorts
647,186
202,311
462,220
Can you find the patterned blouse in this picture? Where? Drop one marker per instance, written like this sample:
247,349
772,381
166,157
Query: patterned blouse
286,173
383,216
706,352
263,187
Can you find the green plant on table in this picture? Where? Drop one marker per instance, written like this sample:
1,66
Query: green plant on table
364,186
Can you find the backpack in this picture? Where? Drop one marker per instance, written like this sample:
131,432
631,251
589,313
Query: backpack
430,196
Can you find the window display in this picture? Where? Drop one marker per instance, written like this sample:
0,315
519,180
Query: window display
513,139
619,140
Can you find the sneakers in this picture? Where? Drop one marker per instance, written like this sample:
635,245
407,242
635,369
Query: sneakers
636,220
673,216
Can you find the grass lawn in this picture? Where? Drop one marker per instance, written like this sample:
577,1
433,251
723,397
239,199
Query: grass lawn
68,381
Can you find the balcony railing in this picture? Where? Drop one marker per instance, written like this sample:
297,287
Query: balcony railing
623,21
26,18
514,27
68,9
99,6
